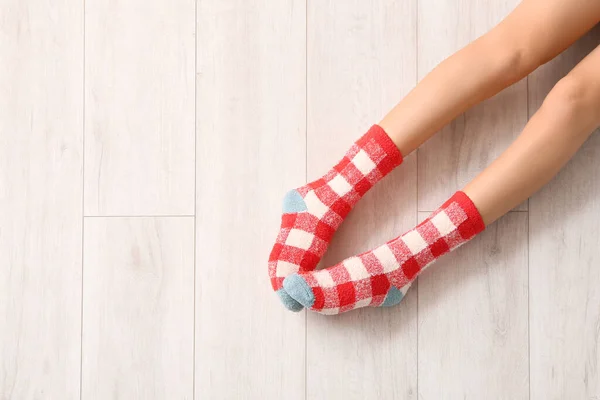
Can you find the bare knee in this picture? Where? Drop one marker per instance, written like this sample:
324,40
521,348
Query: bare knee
514,63
575,99
509,59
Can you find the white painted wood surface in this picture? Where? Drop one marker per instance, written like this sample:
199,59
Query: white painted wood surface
251,150
172,269
355,75
139,119
565,261
473,317
466,146
138,308
41,116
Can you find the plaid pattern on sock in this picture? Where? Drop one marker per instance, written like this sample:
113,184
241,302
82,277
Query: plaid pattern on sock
369,278
317,209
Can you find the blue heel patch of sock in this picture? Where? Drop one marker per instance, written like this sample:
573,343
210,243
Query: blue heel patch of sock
393,297
293,202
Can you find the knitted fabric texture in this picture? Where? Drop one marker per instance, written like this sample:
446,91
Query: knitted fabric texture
313,213
382,277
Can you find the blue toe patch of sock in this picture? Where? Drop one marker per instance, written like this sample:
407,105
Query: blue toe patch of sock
288,301
393,297
297,287
293,202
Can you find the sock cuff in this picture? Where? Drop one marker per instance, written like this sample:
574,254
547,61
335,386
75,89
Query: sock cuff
474,223
392,155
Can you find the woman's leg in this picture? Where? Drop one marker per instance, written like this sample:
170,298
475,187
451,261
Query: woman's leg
567,117
382,277
534,33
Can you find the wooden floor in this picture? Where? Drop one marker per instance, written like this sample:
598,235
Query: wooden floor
145,146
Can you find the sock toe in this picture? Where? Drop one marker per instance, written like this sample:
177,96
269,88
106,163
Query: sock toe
296,287
288,301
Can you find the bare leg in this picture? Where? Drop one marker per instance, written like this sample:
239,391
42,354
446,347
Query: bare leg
566,119
534,33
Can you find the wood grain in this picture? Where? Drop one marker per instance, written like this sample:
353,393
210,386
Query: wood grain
138,321
462,149
41,116
473,317
251,150
361,60
564,260
139,93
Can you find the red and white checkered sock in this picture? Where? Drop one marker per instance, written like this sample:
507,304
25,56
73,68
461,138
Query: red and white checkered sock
312,213
381,277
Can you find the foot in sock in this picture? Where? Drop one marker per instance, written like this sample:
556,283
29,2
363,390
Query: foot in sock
381,277
312,213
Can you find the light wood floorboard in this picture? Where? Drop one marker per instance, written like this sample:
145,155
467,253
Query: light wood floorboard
361,60
139,117
473,317
41,118
251,150
138,308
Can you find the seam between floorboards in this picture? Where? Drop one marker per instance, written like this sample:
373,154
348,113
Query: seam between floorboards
511,211
141,216
195,194
417,184
306,178
82,202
